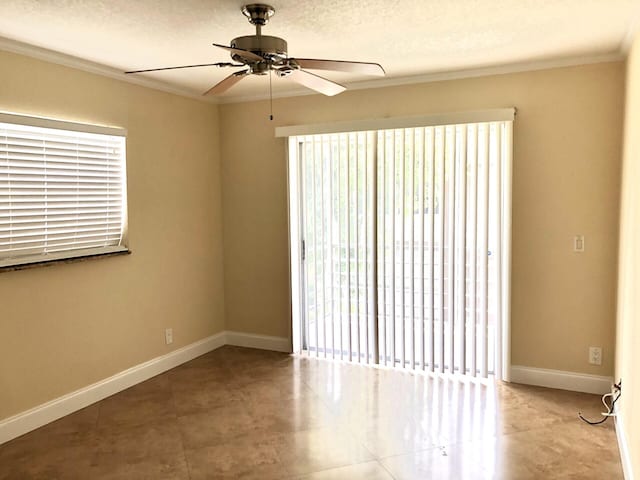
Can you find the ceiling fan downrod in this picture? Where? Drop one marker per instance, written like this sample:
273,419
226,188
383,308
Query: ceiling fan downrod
258,14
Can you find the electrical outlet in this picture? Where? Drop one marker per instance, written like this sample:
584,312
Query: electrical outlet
578,243
595,355
168,336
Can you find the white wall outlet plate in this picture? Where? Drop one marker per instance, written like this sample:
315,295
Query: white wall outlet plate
595,355
168,336
578,243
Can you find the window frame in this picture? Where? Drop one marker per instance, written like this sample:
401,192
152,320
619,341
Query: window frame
28,261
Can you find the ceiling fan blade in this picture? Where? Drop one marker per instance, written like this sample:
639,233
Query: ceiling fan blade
219,64
364,68
314,82
243,53
227,83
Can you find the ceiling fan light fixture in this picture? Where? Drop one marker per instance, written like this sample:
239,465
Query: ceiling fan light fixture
259,68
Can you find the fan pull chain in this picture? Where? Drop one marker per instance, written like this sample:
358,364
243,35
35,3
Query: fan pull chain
270,97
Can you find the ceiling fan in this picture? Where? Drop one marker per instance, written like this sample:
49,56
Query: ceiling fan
262,54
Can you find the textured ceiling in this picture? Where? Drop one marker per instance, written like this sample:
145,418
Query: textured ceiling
407,37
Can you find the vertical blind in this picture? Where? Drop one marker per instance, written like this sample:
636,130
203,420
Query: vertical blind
337,172
62,192
406,244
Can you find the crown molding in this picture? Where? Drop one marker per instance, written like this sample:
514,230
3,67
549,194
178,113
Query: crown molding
39,53
452,75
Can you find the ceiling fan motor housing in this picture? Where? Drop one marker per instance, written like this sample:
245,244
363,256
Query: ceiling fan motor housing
263,45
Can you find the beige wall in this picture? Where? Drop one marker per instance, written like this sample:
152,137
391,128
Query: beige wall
628,327
66,326
566,181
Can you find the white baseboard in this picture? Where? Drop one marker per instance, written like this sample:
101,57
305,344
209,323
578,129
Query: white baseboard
36,417
24,422
625,455
263,342
577,382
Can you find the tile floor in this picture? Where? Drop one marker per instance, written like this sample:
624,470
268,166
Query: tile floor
243,413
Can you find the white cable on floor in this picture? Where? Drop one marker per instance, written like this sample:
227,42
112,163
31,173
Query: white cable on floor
617,391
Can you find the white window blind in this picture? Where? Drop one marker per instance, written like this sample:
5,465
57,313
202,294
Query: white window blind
406,237
62,190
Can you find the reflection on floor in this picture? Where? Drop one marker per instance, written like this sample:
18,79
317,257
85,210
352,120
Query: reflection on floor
243,413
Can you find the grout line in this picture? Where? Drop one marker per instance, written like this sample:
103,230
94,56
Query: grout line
94,454
386,469
175,412
97,422
305,475
422,450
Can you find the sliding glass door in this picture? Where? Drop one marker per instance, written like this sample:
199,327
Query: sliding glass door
403,246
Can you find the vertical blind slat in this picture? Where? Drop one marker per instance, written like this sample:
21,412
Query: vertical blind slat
422,187
505,189
370,264
402,220
382,167
497,258
348,249
316,214
412,165
461,250
332,319
307,176
450,245
340,248
441,235
484,256
357,244
431,251
322,236
392,185
473,193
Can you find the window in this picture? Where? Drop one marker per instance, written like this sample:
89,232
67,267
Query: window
62,190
